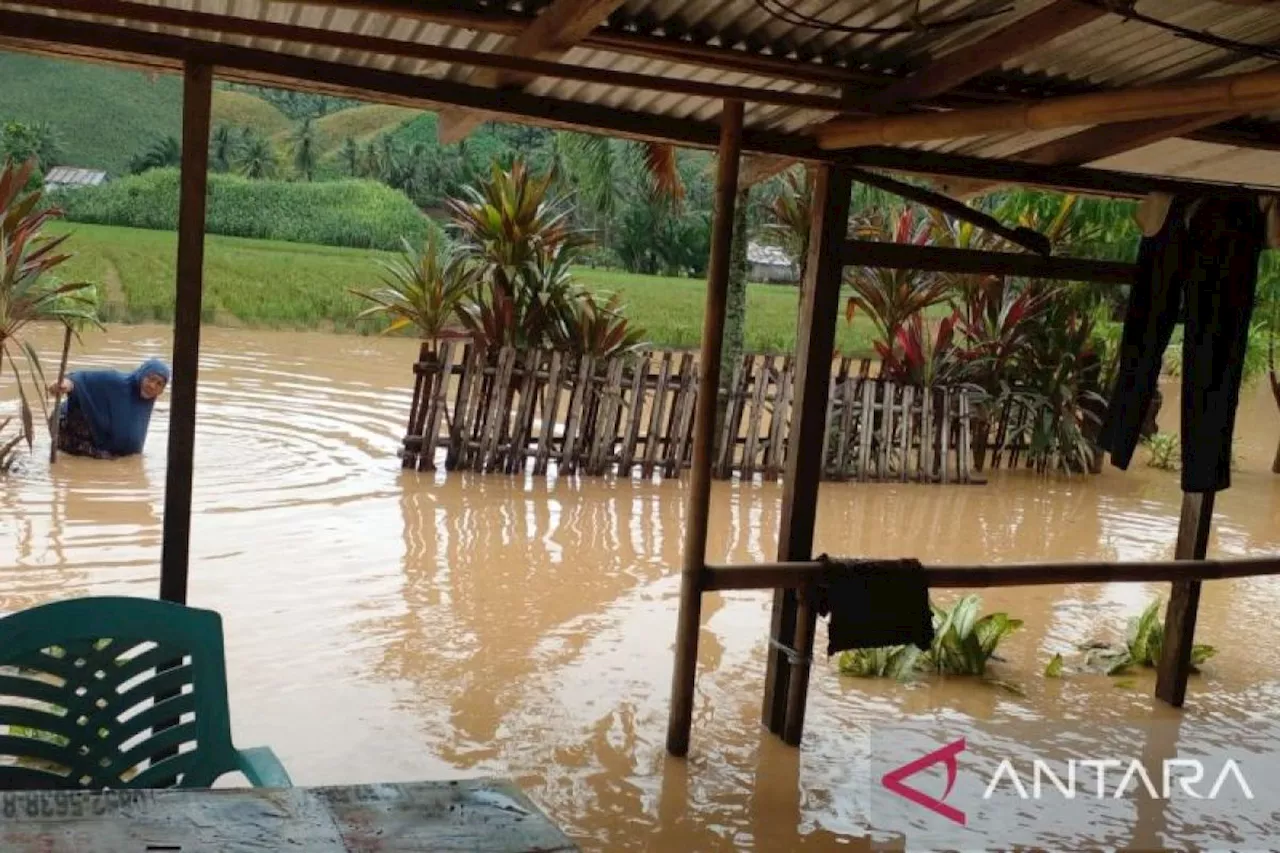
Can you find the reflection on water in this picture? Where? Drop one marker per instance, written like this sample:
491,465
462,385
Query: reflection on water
391,626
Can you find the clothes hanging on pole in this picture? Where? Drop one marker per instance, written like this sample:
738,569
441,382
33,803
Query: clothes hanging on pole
874,603
1202,258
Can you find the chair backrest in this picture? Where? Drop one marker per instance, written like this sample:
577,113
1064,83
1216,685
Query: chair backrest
113,693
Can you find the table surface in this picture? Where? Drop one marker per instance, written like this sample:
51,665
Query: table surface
472,815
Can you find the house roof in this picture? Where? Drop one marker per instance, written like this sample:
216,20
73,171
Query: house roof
73,177
773,256
658,69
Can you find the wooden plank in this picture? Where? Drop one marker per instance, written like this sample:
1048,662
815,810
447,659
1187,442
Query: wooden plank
868,422
908,420
945,420
639,382
475,814
756,412
689,617
439,406
887,402
847,389
461,408
684,408
965,455
1194,527
574,417
518,450
413,429
481,391
721,469
550,413
792,620
653,439
499,412
926,435
602,445
175,550
778,428
829,468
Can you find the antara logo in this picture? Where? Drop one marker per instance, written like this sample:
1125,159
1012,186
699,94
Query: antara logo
947,755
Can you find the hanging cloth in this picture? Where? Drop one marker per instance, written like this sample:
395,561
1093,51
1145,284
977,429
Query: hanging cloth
1200,260
874,603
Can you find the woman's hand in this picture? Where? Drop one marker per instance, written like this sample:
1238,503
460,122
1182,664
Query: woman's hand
64,388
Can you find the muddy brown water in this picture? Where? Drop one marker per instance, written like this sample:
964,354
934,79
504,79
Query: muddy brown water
384,626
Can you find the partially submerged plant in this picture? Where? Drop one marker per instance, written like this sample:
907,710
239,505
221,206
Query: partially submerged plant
28,291
1143,646
1164,451
599,330
963,644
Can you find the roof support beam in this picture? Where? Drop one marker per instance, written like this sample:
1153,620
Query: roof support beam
1098,143
906,256
959,66
1240,93
556,29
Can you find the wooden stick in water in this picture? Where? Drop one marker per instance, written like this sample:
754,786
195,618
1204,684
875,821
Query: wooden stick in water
54,418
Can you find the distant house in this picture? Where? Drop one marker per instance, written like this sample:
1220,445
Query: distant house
770,264
69,177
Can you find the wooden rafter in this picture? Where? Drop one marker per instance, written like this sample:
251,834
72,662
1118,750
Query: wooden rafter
1239,93
556,29
959,66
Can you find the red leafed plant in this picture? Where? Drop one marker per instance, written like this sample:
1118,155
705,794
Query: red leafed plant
924,353
889,296
29,293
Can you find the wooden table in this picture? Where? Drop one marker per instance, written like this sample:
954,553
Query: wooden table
475,815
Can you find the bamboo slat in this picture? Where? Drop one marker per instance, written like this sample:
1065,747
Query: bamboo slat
439,403
573,418
683,455
728,432
889,392
965,455
946,433
469,405
829,422
654,435
775,456
549,412
602,448
639,380
763,379
527,377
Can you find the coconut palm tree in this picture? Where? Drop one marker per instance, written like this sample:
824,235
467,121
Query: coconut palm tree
258,159
224,148
163,153
304,150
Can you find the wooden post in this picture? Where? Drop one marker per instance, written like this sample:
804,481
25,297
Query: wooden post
55,418
1184,600
197,93
793,621
688,622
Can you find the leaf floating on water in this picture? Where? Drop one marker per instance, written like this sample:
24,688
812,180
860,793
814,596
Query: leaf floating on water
1054,669
1126,683
1007,685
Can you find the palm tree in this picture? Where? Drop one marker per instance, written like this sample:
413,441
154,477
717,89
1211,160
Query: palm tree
351,157
258,159
304,150
163,153
224,148
28,294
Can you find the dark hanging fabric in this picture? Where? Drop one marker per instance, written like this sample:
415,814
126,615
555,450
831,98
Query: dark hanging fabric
874,603
1202,262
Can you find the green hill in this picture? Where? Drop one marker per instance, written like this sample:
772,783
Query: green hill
359,123
102,115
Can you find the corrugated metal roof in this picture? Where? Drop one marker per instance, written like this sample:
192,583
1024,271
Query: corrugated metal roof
639,36
68,176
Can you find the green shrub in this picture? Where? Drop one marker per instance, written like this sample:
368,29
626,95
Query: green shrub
358,214
1164,451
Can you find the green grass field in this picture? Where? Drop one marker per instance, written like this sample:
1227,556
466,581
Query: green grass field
259,283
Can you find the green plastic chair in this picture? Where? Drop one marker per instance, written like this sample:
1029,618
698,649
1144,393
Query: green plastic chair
118,693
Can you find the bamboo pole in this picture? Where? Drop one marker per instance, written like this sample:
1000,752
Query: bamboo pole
55,419
792,621
789,575
197,94
1184,600
688,621
1240,93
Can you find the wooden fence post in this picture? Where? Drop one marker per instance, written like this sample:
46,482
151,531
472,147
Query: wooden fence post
787,675
688,621
1184,600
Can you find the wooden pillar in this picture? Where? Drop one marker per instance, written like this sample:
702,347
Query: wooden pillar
688,622
197,93
786,682
1184,600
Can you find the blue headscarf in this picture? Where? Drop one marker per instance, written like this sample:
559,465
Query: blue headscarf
113,404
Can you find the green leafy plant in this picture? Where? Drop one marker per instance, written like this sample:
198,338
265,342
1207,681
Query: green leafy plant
1144,643
963,644
425,288
890,297
29,293
599,330
1164,451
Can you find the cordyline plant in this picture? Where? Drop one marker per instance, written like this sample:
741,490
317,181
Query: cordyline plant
28,291
600,330
424,288
890,297
521,242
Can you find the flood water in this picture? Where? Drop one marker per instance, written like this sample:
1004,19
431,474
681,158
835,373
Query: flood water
389,626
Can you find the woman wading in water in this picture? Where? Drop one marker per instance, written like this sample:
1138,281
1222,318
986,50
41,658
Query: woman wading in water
106,413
